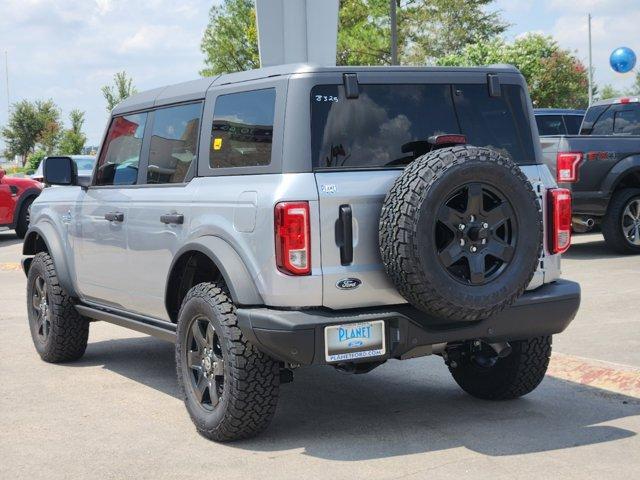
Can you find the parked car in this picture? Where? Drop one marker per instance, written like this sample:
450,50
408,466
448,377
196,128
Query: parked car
300,215
84,163
16,197
602,168
557,121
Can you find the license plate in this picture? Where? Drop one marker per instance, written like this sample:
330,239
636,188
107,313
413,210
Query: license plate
354,340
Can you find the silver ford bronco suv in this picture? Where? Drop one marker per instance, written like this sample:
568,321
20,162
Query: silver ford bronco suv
298,215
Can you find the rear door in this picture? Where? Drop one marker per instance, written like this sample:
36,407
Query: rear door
160,210
360,144
357,155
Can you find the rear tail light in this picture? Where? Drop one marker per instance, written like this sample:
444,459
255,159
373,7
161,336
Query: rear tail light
567,166
293,243
559,206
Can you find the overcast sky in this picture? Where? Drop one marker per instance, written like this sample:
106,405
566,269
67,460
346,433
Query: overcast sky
67,49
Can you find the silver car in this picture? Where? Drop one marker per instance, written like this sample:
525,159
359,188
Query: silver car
269,220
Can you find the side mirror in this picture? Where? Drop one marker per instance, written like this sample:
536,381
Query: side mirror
60,171
2,173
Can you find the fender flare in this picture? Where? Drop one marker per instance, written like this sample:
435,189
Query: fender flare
49,235
613,178
27,194
232,268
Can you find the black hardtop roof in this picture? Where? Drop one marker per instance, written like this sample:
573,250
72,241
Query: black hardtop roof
196,89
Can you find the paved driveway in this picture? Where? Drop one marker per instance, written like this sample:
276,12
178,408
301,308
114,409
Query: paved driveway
115,413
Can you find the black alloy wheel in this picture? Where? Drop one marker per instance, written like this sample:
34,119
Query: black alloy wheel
205,363
40,308
475,233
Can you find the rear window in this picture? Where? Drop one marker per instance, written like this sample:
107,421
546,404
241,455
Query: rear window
377,128
550,125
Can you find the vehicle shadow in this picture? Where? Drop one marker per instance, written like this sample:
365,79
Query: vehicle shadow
8,237
592,250
400,408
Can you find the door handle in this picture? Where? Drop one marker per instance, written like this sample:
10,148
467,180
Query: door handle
174,218
114,216
344,234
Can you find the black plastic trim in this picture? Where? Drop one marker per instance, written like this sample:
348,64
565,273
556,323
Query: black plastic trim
296,336
139,323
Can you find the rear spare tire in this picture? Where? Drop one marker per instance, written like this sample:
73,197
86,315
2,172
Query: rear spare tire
461,233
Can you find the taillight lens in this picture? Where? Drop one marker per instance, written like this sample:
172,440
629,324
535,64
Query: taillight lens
567,166
293,243
559,205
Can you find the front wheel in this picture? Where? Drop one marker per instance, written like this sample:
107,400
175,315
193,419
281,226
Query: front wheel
59,332
229,387
621,224
481,373
24,217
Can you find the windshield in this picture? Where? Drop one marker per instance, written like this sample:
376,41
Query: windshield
377,128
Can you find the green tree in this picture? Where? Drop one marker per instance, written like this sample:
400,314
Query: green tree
556,78
73,139
51,127
121,88
635,88
443,27
427,29
22,130
608,91
230,41
34,159
31,124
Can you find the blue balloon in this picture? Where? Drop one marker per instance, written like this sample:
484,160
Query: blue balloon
622,60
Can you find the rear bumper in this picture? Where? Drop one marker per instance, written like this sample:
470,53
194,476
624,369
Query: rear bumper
297,336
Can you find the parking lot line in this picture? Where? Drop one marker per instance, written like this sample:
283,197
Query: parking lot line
614,377
9,266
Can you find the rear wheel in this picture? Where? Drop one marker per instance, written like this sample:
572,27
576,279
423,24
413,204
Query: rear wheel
621,224
482,373
229,387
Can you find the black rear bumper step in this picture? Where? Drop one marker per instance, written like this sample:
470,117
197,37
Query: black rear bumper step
297,336
150,326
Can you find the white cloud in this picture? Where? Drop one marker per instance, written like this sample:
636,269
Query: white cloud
68,49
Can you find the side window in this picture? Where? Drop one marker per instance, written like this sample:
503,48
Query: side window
242,131
573,124
591,117
120,155
550,125
627,122
174,143
604,124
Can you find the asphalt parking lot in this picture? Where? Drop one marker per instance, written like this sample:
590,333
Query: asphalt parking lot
116,413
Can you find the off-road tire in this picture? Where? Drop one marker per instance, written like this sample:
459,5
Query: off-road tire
68,331
22,223
408,250
511,377
251,378
612,222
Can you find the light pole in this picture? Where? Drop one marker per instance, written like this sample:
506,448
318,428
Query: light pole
394,32
590,64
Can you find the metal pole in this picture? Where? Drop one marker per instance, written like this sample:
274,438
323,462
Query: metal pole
394,32
6,68
590,65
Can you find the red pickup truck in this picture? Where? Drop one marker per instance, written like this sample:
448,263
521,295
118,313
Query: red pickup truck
16,196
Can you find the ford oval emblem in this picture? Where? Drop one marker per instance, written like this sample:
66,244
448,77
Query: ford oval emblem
348,283
355,343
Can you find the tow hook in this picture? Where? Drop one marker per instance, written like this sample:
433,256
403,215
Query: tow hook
502,349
